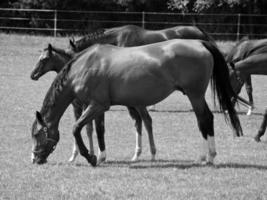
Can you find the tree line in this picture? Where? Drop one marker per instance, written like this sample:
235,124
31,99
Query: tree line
182,6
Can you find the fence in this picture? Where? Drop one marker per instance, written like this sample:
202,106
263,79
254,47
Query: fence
59,22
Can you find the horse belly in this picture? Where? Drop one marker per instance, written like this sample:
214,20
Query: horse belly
140,93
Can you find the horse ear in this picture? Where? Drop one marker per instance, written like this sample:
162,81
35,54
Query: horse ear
72,39
39,119
50,48
232,65
72,43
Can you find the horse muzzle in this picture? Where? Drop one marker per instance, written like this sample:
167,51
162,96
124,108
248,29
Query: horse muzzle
38,160
35,76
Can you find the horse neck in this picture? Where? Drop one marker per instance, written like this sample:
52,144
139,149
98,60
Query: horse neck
60,61
57,99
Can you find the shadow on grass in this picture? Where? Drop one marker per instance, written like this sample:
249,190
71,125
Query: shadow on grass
179,164
162,164
191,110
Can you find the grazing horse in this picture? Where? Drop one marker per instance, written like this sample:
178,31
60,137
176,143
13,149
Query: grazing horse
129,35
54,59
106,75
255,63
244,49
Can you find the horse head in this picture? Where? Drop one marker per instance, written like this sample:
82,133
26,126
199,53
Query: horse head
49,60
44,139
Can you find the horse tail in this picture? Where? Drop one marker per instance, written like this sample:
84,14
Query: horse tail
220,85
207,37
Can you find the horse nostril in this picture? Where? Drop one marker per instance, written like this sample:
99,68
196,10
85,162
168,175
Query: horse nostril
34,77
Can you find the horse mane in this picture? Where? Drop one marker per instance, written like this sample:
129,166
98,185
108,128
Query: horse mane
90,39
62,52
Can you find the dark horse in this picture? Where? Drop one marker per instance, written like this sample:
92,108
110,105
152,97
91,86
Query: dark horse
129,35
252,61
132,35
106,75
241,51
54,59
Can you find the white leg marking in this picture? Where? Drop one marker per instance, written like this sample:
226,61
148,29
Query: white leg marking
138,148
74,153
101,156
32,157
211,149
204,151
249,111
152,108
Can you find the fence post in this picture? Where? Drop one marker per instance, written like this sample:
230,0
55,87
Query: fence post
143,19
55,23
238,26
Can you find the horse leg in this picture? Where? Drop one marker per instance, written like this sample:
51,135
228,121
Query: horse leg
262,127
92,111
77,113
100,131
138,125
89,131
148,124
248,85
205,124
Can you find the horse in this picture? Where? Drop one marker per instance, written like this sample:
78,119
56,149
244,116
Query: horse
129,35
132,35
251,65
107,75
241,51
54,59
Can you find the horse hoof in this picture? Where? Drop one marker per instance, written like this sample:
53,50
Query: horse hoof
71,159
93,160
249,112
152,108
201,159
135,158
209,163
101,160
153,158
257,138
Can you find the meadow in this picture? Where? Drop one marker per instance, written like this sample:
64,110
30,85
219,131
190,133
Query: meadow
240,170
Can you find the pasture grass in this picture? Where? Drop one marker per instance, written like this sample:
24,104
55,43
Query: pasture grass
240,170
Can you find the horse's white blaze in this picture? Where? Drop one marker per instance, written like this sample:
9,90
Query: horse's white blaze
42,56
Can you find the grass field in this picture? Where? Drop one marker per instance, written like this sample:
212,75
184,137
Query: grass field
240,170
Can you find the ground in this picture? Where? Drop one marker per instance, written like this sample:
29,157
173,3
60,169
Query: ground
239,171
